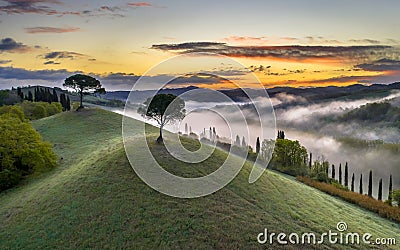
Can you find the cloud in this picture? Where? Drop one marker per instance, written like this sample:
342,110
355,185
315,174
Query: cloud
246,40
10,45
380,65
140,4
288,53
25,74
365,41
51,62
38,30
63,55
5,61
28,7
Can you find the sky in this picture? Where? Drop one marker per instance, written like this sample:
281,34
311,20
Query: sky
284,43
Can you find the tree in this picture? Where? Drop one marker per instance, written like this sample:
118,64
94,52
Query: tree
258,145
346,175
288,157
186,129
390,190
340,173
396,196
333,172
68,104
54,96
63,101
310,163
361,184
163,108
370,184
244,144
281,134
22,150
352,183
30,96
83,84
380,190
237,141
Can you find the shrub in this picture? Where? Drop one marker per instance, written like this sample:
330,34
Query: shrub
364,201
22,150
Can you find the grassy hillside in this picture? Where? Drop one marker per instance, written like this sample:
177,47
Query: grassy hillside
95,200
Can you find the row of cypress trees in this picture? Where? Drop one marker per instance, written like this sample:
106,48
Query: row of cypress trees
345,182
44,95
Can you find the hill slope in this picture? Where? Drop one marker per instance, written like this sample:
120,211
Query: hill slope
95,200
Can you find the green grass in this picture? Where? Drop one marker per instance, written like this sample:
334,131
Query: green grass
95,200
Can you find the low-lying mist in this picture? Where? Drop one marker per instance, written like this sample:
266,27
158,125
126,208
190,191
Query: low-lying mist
309,124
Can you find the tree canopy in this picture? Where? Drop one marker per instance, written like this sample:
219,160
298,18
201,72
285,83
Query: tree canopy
22,150
83,84
163,108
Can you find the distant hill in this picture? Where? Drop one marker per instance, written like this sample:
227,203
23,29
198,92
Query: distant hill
95,200
314,94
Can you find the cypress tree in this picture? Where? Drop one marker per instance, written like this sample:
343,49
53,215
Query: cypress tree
258,145
352,183
380,190
244,144
390,190
310,163
55,97
42,95
30,96
346,175
340,173
333,172
68,103
49,97
361,184
36,94
63,101
237,142
370,184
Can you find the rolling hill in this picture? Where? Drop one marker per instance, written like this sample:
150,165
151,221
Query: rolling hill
95,200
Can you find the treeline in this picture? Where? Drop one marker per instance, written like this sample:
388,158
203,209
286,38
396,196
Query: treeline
290,157
382,113
44,95
22,151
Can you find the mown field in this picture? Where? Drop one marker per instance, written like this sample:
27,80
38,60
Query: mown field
95,200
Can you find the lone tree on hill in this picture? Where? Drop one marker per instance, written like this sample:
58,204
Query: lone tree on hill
83,84
163,108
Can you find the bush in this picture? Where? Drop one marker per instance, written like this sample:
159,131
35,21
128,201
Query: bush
364,201
22,151
39,110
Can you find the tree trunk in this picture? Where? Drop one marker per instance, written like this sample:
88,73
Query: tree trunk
160,138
